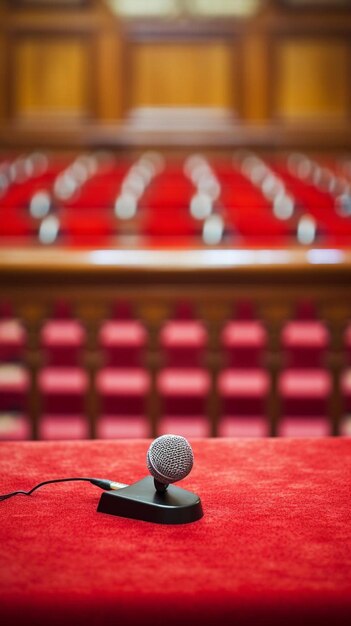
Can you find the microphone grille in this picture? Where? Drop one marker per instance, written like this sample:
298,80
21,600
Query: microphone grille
169,458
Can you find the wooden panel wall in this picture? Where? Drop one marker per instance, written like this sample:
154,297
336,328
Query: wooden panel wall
312,78
275,74
50,76
182,74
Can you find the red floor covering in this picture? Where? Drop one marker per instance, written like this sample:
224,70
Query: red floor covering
273,547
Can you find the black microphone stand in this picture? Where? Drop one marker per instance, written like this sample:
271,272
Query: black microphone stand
152,501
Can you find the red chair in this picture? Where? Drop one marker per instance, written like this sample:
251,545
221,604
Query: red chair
62,338
305,343
13,335
183,384
243,385
304,386
60,427
123,384
62,342
345,385
62,383
183,392
123,394
14,387
63,390
123,339
244,396
14,427
14,393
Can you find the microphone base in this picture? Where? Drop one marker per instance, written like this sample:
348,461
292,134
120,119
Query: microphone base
141,501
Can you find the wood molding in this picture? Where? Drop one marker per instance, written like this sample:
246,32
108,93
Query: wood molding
75,134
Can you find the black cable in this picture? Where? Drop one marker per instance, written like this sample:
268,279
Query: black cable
98,482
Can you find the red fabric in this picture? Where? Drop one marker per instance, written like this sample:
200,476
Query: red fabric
305,391
60,427
13,338
123,342
183,342
183,391
243,426
345,426
305,342
345,384
63,389
14,387
14,427
123,391
122,427
347,342
63,341
186,425
273,547
304,426
243,391
244,342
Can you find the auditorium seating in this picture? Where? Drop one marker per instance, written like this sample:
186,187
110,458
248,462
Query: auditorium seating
305,385
14,377
345,383
121,360
123,383
92,200
244,384
129,376
62,381
183,382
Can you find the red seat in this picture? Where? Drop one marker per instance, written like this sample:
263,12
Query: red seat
347,343
63,390
244,342
14,387
243,426
304,426
16,224
305,391
122,427
183,391
190,426
15,427
345,384
305,342
123,391
123,342
244,391
91,229
123,338
345,426
183,384
63,341
183,342
13,339
60,427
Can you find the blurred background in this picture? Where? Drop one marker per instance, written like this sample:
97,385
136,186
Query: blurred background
251,72
175,218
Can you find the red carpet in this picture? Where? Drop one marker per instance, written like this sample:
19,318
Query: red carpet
274,545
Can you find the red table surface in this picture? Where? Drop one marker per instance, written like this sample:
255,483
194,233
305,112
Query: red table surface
273,547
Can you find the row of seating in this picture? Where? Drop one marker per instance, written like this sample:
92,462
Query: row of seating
92,200
184,387
183,339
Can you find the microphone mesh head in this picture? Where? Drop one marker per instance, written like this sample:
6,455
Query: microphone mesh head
169,458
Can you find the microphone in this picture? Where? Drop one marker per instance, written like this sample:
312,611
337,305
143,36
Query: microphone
154,499
169,458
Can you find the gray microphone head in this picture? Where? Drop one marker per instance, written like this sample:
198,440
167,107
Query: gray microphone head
169,458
